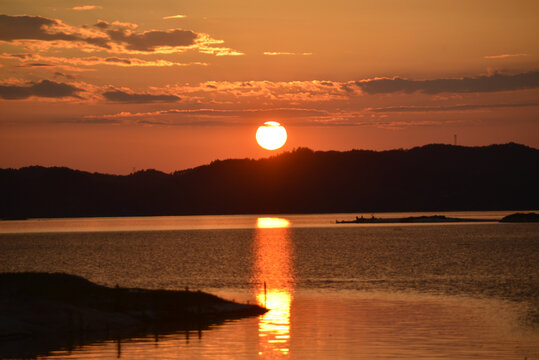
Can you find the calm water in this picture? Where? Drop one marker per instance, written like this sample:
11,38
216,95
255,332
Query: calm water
335,291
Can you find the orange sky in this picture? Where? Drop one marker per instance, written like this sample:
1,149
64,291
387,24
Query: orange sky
113,86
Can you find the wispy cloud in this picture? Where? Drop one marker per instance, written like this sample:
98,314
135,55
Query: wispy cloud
61,74
504,56
31,59
174,17
276,53
229,113
102,24
286,91
86,7
31,64
220,117
464,107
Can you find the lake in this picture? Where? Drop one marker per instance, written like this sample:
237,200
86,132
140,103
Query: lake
335,291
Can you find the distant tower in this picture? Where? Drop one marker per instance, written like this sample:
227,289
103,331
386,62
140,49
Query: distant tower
455,138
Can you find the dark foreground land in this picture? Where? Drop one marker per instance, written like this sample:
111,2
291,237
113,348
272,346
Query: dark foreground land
41,312
429,178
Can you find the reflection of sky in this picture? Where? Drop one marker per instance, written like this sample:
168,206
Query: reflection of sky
273,280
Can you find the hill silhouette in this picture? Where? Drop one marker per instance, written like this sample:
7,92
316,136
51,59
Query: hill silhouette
427,178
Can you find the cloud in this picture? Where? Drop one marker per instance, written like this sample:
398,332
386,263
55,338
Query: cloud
44,88
28,27
220,117
39,28
280,91
465,107
102,24
248,113
134,98
150,40
504,56
275,53
35,65
61,74
186,123
89,121
492,83
86,7
174,17
125,24
39,34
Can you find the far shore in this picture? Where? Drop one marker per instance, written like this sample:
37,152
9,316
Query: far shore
513,218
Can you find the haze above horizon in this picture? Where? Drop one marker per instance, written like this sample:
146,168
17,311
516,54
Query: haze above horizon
116,86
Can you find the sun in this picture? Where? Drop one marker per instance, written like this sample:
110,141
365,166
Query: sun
271,135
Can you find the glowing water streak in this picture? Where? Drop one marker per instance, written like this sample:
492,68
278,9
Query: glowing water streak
273,281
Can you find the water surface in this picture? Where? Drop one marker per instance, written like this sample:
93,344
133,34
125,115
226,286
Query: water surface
335,291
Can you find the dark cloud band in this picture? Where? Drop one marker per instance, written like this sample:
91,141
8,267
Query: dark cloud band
133,98
493,83
44,88
149,40
39,28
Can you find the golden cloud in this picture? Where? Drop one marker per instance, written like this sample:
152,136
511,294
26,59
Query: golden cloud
86,7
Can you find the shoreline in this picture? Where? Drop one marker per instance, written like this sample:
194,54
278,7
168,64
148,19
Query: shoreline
44,312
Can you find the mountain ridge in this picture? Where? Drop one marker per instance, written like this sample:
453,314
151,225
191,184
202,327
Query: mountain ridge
426,178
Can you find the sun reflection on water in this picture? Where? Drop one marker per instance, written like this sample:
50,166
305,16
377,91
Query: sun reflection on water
269,222
273,282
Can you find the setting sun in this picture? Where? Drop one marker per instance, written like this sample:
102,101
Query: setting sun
271,135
